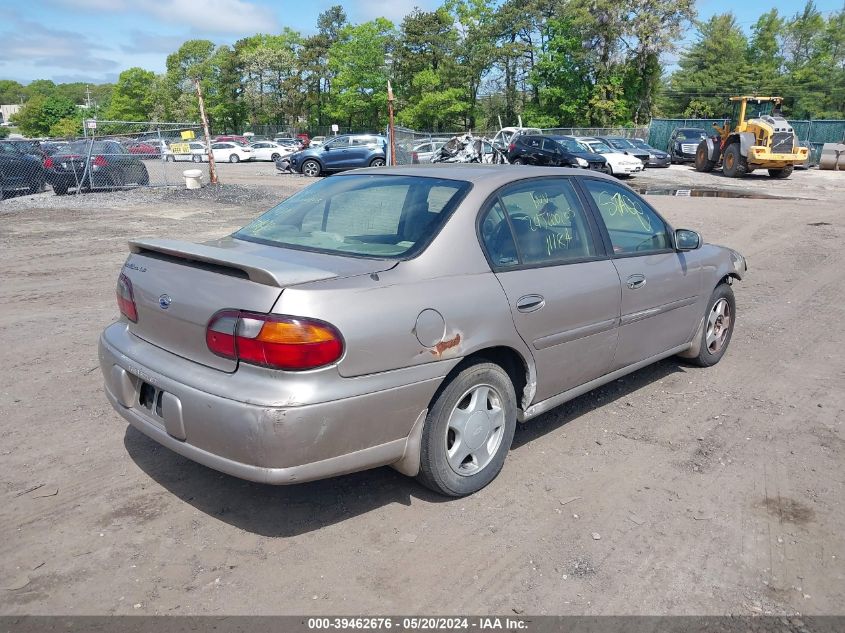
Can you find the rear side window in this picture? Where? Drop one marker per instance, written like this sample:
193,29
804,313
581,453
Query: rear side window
538,222
633,227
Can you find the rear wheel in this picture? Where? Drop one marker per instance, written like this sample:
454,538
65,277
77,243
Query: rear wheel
468,431
518,161
311,168
702,160
718,326
144,178
37,186
786,172
234,158
733,164
170,158
196,158
60,190
377,162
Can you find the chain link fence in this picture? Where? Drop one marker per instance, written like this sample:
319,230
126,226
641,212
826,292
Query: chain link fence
110,155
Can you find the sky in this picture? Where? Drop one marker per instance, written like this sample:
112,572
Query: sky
94,40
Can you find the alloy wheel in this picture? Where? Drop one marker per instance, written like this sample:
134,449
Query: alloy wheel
475,430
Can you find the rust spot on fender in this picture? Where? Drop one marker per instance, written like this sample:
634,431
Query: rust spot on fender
442,346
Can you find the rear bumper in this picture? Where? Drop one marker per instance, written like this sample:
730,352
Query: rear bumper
659,162
267,444
628,169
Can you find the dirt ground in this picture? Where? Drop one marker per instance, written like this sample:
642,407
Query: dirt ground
675,490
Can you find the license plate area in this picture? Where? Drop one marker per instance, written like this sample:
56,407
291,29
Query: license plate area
164,409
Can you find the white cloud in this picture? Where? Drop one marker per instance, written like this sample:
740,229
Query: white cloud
395,10
208,16
33,44
146,42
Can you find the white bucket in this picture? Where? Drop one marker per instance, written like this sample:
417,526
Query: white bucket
193,178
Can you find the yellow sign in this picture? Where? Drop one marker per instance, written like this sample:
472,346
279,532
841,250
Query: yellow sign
180,148
188,135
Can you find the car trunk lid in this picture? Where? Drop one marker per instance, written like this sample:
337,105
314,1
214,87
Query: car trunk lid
178,286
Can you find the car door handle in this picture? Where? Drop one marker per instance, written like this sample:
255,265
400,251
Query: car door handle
636,281
530,303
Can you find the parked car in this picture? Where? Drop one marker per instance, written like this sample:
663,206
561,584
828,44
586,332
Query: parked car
333,333
618,164
533,149
188,150
683,143
287,141
111,166
19,171
231,152
268,150
316,141
348,151
51,147
422,152
232,138
625,146
574,155
143,149
31,147
656,157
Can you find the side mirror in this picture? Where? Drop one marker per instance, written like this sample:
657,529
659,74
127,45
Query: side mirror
687,240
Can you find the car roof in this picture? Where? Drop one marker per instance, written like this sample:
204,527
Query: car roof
690,129
492,176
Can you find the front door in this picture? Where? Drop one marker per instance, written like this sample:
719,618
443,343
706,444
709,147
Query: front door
335,153
562,288
660,286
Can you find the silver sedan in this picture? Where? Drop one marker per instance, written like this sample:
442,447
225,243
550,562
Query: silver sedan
406,316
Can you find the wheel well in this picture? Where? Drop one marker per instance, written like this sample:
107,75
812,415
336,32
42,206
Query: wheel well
729,279
505,357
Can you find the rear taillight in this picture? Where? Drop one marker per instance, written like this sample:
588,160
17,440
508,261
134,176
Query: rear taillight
270,340
48,162
100,161
415,158
511,147
126,299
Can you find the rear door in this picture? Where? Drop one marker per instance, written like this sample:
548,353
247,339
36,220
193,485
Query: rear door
659,285
562,288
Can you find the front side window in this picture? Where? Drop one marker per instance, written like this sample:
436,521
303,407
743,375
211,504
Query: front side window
337,143
368,216
632,225
544,223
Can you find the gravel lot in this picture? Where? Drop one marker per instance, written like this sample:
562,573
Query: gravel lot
674,490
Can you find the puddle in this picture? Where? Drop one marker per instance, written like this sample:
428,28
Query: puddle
710,193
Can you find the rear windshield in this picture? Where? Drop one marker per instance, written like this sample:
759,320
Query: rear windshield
621,143
367,215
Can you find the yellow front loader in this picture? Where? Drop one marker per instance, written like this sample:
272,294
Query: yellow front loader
756,137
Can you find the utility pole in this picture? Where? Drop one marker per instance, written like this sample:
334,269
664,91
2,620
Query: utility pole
390,131
212,172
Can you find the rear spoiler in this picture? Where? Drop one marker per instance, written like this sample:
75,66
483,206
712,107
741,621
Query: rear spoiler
261,270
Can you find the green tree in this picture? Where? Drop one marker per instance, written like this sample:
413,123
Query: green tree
436,108
11,92
40,113
132,98
714,67
359,60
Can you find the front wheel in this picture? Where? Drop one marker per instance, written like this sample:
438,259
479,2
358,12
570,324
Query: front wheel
144,177
468,431
196,158
702,160
60,190
170,158
377,162
311,168
786,172
275,157
718,327
234,158
733,164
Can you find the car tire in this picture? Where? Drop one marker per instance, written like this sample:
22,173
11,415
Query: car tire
60,190
517,161
234,158
377,162
37,187
170,158
311,168
144,178
702,162
716,334
733,164
117,180
196,158
481,401
786,172
274,157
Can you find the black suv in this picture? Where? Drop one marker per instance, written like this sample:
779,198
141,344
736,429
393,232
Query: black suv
551,151
19,171
684,143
